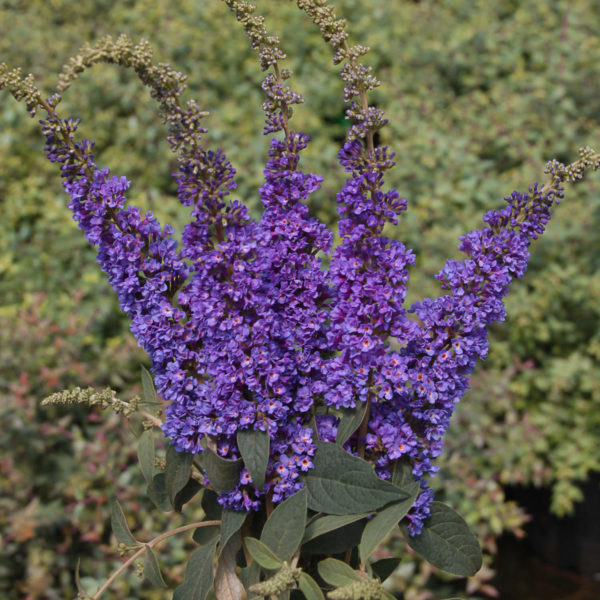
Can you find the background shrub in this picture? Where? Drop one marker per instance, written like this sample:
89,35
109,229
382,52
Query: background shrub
479,95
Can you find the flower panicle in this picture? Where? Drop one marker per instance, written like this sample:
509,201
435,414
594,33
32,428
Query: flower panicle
246,328
106,398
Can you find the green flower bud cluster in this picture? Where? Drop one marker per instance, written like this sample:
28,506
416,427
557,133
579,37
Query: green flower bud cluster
22,88
574,172
267,45
365,589
106,398
283,580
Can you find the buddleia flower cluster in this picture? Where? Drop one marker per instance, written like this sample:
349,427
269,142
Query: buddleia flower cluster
262,324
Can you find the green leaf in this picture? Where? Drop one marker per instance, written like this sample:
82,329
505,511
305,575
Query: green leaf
250,575
254,448
223,474
212,512
447,542
284,529
337,573
232,520
402,477
262,554
310,588
145,452
205,535
328,523
199,574
342,484
191,488
350,422
119,525
177,472
152,570
334,542
148,388
383,568
378,528
210,505
157,492
227,584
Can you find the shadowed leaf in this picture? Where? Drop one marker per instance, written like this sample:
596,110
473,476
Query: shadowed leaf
177,471
328,523
383,568
232,520
191,488
254,448
157,492
223,474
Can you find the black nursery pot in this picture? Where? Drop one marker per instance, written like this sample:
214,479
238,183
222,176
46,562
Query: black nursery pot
560,557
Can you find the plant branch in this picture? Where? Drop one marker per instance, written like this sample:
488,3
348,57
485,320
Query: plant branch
157,540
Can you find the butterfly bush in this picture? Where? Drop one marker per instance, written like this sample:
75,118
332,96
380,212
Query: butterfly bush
263,324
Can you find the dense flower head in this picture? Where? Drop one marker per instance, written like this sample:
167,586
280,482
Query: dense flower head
246,326
247,329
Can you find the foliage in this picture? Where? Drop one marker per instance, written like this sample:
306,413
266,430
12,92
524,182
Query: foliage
480,94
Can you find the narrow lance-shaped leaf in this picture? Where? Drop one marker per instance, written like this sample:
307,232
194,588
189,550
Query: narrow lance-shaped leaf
190,489
145,452
177,471
447,542
231,522
262,554
310,588
148,388
199,574
250,574
212,512
337,541
119,525
329,523
284,529
337,573
254,447
152,570
378,528
157,492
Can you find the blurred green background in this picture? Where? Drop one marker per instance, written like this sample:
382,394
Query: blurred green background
479,96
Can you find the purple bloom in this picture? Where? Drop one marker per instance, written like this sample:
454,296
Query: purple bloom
245,327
